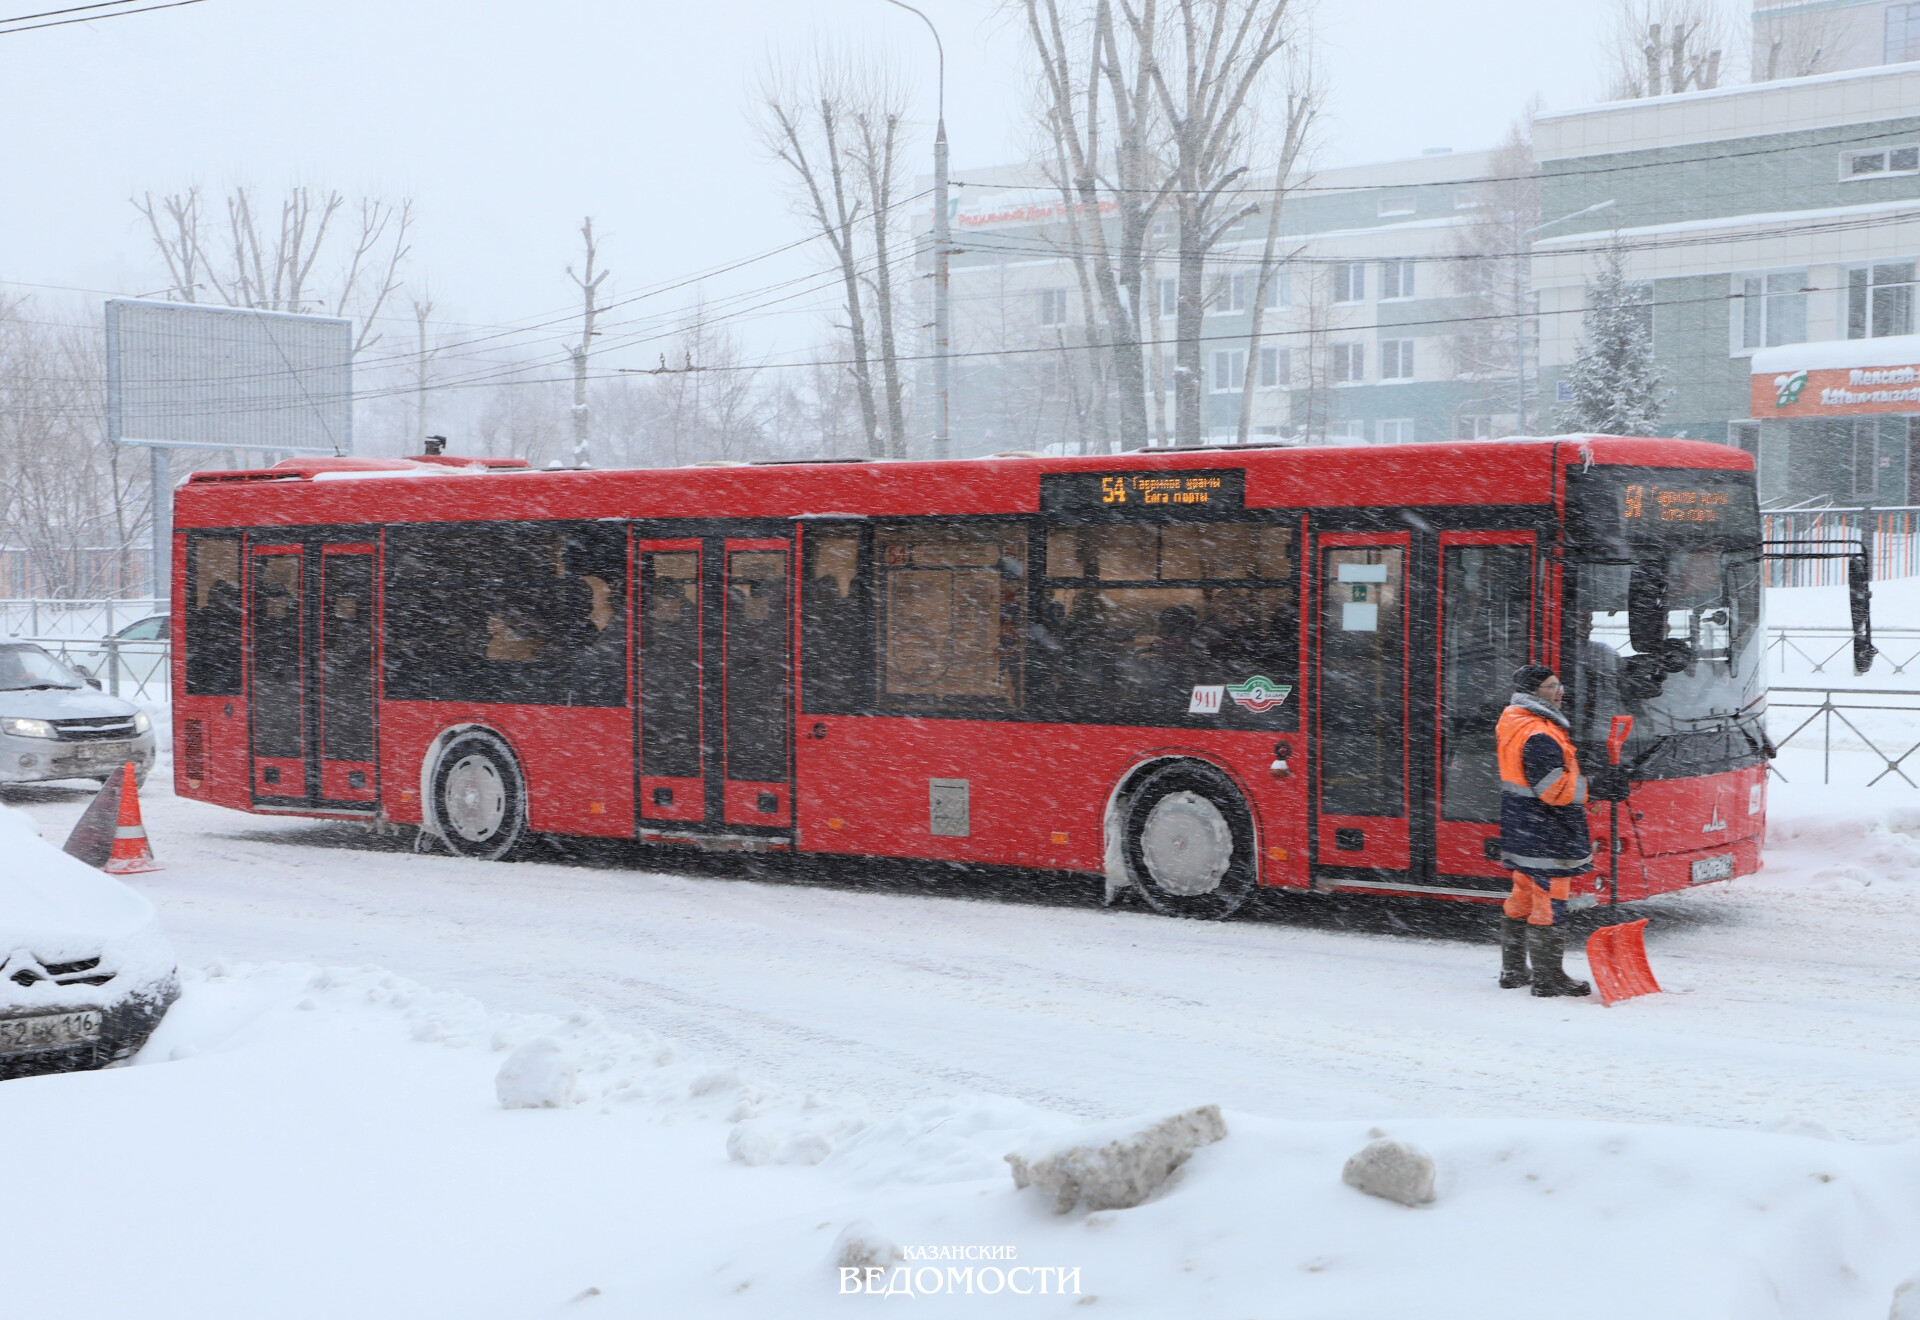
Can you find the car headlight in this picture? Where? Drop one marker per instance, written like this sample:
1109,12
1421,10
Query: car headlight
140,722
28,728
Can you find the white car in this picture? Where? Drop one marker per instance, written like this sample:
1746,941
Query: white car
85,973
54,725
139,651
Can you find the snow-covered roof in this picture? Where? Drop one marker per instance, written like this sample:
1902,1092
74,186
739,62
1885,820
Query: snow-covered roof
1838,354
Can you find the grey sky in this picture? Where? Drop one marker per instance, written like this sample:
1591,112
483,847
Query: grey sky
509,122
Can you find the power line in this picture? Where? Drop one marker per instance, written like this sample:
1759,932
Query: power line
96,18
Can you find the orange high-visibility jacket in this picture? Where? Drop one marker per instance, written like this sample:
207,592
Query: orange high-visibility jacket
1543,795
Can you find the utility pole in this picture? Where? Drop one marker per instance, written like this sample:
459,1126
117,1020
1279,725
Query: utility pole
942,250
421,311
589,286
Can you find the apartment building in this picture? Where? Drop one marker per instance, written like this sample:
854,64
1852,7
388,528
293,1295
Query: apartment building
1356,334
1769,223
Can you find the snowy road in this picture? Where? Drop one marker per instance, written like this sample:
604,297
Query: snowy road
1799,1003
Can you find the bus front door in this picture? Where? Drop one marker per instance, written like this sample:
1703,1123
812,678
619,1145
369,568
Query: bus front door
715,656
1362,711
310,681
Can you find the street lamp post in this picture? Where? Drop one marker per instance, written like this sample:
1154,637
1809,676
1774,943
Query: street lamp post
942,248
1520,332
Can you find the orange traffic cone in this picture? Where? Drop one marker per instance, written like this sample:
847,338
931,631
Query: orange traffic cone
131,853
1617,956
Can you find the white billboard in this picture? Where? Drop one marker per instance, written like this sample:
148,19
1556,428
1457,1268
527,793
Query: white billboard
190,376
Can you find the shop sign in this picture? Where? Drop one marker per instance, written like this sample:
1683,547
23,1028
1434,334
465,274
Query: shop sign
1837,391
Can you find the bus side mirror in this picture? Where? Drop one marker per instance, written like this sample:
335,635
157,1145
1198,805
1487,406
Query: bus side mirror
1859,599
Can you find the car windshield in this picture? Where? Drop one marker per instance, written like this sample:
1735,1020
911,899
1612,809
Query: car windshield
26,667
1664,612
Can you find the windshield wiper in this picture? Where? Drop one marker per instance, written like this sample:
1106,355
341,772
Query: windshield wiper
42,687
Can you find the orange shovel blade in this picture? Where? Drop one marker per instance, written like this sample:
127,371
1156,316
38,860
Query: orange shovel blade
1617,956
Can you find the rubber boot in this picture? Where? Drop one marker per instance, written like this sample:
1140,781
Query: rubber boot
1546,945
1513,954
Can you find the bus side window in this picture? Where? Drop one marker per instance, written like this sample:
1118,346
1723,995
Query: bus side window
952,602
213,616
836,634
529,613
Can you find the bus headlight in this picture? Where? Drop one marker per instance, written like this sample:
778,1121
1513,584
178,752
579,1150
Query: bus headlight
141,724
28,728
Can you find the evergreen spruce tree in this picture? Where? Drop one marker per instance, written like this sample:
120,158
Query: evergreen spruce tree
1617,387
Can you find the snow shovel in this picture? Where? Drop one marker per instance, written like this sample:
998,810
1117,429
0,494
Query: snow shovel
1617,956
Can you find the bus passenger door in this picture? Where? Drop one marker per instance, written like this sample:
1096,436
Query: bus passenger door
1486,627
756,664
672,745
345,664
277,659
1362,716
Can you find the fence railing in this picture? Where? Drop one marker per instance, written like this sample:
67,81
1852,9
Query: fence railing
1892,537
1893,714
41,618
1897,649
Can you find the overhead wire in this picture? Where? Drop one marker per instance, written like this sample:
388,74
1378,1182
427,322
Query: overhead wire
6,31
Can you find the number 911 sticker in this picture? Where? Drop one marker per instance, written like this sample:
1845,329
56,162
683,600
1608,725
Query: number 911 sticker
1258,694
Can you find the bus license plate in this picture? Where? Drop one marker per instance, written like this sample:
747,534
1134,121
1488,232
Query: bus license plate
1713,868
48,1031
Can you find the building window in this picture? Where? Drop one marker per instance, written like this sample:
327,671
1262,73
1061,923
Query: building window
1903,33
1350,281
1469,199
1745,436
1396,431
1276,368
1880,300
1279,289
1396,279
1397,204
1349,363
1473,426
1350,432
1229,369
1866,457
1236,294
1053,307
1396,359
1879,164
1169,296
1770,310
1165,226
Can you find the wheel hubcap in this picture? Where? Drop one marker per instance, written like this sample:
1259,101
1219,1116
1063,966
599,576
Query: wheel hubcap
1187,844
476,799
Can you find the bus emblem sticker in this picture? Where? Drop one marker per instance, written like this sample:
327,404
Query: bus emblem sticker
1206,699
1259,694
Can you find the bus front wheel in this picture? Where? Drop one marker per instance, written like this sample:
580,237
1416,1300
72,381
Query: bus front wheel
1190,842
479,796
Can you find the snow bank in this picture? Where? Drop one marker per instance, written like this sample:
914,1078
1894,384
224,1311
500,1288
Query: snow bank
314,1142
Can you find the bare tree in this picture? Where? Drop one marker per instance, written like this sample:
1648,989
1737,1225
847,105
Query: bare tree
1795,42
805,124
279,266
1302,110
878,116
1101,116
589,283
1208,60
1493,271
1657,47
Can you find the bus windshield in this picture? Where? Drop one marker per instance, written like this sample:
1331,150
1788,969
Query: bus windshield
1664,617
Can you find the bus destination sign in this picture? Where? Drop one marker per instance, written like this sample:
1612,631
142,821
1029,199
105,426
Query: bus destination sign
1673,504
1158,491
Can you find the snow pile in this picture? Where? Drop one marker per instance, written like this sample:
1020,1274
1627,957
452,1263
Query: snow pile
56,909
1842,839
1119,1173
1392,1171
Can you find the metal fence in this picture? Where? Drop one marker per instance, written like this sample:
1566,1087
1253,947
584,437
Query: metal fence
40,618
1892,537
1835,717
1805,652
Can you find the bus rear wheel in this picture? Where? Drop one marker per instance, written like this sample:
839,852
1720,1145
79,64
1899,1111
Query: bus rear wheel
1190,843
479,797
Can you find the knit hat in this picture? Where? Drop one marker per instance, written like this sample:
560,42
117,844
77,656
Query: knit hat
1528,678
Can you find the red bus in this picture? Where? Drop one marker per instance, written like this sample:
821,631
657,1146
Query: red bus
1190,672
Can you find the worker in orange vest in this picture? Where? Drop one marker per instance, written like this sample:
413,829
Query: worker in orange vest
1543,832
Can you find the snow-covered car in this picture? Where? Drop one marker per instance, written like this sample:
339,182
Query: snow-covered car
85,972
54,725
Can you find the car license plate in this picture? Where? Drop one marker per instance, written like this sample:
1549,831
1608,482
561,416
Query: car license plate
1713,868
48,1031
103,752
